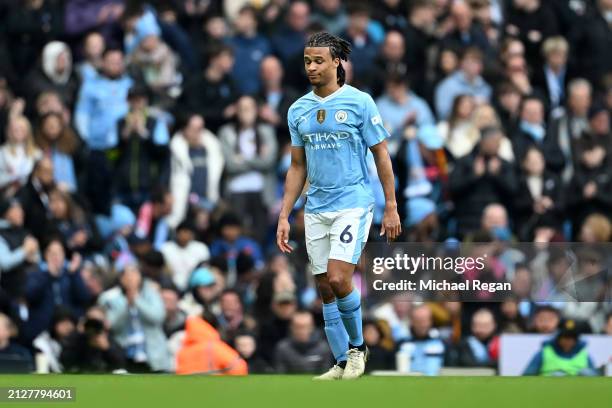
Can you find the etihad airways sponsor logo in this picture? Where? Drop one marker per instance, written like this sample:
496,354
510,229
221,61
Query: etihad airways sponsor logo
318,137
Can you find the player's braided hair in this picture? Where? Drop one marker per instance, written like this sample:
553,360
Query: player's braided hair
338,48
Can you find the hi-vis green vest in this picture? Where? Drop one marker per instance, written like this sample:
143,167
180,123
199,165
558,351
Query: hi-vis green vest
554,363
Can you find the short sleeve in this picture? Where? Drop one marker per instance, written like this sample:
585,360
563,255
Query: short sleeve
296,140
373,130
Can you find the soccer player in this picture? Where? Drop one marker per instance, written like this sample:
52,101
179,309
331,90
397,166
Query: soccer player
331,130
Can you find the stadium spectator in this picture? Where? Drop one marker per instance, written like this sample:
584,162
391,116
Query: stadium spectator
55,283
479,179
276,97
565,355
250,48
152,221
381,354
304,351
568,127
17,155
532,131
154,61
539,198
532,22
55,73
71,222
477,349
58,140
93,50
590,41
232,318
249,149
183,254
364,44
203,352
175,316
466,80
18,250
212,93
590,190
196,166
400,108
34,197
552,78
51,342
29,26
102,102
288,41
136,314
245,344
141,159
232,242
418,37
92,349
545,320
276,326
427,349
12,353
466,32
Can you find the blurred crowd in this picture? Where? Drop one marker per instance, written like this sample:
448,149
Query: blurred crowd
143,148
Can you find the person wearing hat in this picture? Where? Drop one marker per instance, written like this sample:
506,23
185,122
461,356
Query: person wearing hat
183,254
565,355
204,290
18,249
142,154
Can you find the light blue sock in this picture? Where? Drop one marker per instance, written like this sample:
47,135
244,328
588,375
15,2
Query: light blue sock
334,330
350,312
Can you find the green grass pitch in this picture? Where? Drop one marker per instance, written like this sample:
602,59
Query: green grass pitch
167,391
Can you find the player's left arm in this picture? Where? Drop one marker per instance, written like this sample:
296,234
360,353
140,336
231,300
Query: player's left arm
375,135
391,224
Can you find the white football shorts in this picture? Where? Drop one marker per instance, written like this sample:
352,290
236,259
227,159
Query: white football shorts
339,235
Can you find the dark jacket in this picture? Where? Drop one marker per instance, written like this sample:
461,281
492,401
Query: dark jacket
78,356
542,20
209,99
472,193
555,161
579,206
13,265
37,82
526,220
291,357
36,212
44,292
591,42
140,163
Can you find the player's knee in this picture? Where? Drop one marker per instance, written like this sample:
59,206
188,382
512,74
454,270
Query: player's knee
325,290
339,285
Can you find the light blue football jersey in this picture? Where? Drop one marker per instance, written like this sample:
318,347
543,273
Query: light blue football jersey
336,132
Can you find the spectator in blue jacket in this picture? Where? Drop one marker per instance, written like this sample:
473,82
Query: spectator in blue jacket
465,81
102,102
427,349
250,48
289,40
56,282
232,243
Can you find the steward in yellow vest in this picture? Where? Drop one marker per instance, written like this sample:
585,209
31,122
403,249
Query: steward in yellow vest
563,355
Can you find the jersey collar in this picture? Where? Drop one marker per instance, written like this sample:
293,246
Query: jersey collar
330,96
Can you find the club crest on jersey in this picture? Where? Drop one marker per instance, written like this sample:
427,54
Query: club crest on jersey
341,116
321,115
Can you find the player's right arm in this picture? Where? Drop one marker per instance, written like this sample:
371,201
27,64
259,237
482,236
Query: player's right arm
294,184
